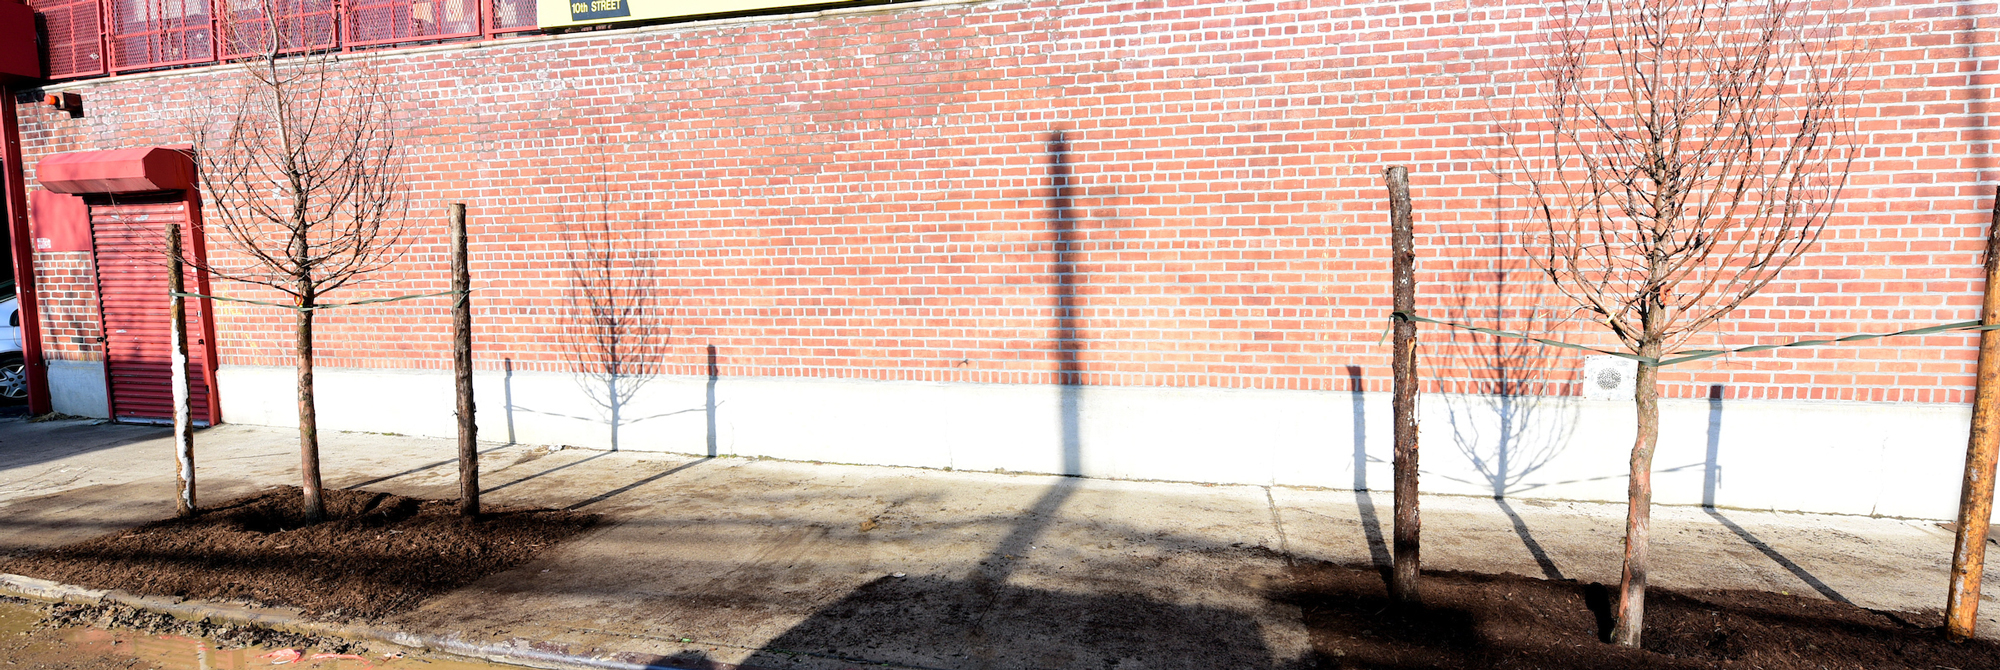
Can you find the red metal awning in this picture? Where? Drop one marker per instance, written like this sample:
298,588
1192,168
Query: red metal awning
117,171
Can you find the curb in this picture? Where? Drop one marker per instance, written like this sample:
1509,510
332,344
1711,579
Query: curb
524,653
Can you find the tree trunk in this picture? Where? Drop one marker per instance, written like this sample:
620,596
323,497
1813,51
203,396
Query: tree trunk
315,507
611,396
1629,619
184,504
1403,263
461,361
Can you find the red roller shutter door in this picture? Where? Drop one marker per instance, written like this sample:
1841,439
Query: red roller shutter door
133,305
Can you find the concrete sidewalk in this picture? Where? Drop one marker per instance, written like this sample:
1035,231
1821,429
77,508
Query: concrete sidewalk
797,565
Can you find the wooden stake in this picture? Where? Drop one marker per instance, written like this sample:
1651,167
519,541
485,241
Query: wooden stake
1403,263
1975,502
461,356
184,504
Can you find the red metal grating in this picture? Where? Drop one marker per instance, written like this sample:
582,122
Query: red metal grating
74,37
92,37
253,27
156,33
372,22
513,16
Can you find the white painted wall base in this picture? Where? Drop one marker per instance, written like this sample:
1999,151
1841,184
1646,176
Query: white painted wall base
77,388
1834,457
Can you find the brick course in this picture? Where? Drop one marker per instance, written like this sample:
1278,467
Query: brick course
1169,193
67,289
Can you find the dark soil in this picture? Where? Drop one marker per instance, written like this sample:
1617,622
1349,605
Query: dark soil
1475,621
376,554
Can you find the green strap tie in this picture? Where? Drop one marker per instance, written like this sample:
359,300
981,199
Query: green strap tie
1699,354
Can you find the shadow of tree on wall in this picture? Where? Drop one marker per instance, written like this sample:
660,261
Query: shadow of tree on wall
616,334
1510,419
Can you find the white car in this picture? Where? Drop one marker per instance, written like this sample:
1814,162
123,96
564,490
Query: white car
13,366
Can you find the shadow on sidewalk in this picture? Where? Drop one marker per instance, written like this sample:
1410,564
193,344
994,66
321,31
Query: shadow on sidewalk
912,622
24,444
40,522
1712,476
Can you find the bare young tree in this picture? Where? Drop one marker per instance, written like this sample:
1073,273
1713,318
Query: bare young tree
615,335
301,169
1677,156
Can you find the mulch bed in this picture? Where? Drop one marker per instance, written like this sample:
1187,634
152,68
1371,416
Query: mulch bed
376,554
379,554
1477,621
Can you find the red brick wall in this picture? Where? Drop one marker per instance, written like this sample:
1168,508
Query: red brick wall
882,195
68,293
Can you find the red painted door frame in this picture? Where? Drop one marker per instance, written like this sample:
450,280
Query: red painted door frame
143,176
23,249
137,390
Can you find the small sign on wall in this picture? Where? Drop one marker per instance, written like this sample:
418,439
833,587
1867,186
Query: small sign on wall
1609,377
592,10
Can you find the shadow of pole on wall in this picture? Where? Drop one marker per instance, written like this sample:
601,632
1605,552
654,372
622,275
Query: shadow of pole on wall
1711,471
507,395
1711,475
708,406
1371,525
1068,340
988,580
